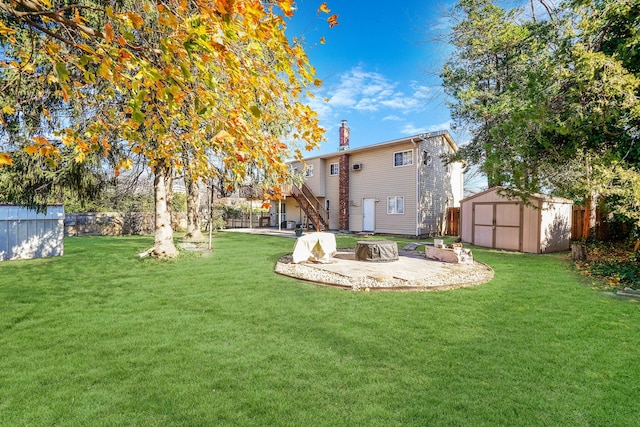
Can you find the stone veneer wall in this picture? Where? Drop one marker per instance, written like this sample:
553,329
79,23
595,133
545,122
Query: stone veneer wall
115,223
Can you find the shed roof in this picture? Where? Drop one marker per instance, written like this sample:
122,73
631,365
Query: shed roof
537,196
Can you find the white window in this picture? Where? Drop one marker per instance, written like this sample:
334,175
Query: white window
395,205
403,158
334,169
308,172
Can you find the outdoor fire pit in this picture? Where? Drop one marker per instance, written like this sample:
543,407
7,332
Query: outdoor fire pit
376,251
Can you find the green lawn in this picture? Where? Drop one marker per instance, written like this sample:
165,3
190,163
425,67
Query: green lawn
100,337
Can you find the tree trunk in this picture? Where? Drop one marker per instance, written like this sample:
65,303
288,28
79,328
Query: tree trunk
593,207
578,252
163,247
194,226
591,202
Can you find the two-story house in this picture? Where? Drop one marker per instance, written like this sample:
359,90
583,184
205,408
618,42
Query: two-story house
397,187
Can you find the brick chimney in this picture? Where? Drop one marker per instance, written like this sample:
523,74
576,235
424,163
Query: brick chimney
343,188
344,136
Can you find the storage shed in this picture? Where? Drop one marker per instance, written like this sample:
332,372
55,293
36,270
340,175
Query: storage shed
26,233
493,220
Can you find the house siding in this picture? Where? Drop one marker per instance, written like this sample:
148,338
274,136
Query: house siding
457,182
427,189
316,182
380,179
332,186
439,186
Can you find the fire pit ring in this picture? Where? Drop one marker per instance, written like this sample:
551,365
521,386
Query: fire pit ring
376,251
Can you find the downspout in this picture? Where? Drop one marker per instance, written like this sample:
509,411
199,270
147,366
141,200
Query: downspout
279,215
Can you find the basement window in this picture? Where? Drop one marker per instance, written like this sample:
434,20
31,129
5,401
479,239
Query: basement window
403,158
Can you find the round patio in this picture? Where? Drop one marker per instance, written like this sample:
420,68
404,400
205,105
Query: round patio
411,272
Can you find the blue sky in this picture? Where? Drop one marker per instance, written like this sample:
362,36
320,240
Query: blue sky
379,66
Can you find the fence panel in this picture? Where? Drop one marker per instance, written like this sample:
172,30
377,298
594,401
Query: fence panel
453,221
578,229
580,224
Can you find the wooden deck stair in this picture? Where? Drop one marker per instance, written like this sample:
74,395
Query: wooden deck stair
312,207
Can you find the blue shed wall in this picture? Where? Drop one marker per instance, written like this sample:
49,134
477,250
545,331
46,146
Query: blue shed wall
25,233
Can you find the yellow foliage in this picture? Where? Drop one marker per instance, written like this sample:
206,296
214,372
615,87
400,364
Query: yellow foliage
108,32
125,164
31,149
5,31
80,157
5,159
202,78
135,20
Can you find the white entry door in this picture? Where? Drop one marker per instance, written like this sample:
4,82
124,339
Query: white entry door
369,215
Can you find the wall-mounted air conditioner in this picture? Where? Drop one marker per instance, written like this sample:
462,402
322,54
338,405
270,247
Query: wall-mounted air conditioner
357,166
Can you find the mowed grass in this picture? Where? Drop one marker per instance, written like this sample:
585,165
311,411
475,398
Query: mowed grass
101,337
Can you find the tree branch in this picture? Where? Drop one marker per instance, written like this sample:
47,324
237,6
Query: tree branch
35,9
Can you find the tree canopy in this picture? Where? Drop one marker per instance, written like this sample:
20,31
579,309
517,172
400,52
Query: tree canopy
166,81
552,99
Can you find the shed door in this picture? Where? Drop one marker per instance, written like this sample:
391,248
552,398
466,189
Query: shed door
498,225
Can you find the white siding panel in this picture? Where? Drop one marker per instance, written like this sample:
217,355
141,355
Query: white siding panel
466,215
531,228
555,227
316,182
379,179
332,184
440,185
25,233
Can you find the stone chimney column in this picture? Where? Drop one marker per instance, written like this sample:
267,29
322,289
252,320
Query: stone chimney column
344,172
344,136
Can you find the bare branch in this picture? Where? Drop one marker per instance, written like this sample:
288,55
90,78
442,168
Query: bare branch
35,9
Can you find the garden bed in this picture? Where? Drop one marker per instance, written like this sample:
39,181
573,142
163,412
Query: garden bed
616,264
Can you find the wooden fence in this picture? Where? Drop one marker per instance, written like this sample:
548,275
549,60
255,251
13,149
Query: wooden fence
453,221
605,230
116,223
580,223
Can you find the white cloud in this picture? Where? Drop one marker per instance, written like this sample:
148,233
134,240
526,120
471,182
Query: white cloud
442,126
412,129
320,106
367,91
443,23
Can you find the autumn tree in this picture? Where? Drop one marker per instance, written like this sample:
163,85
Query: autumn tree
165,79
